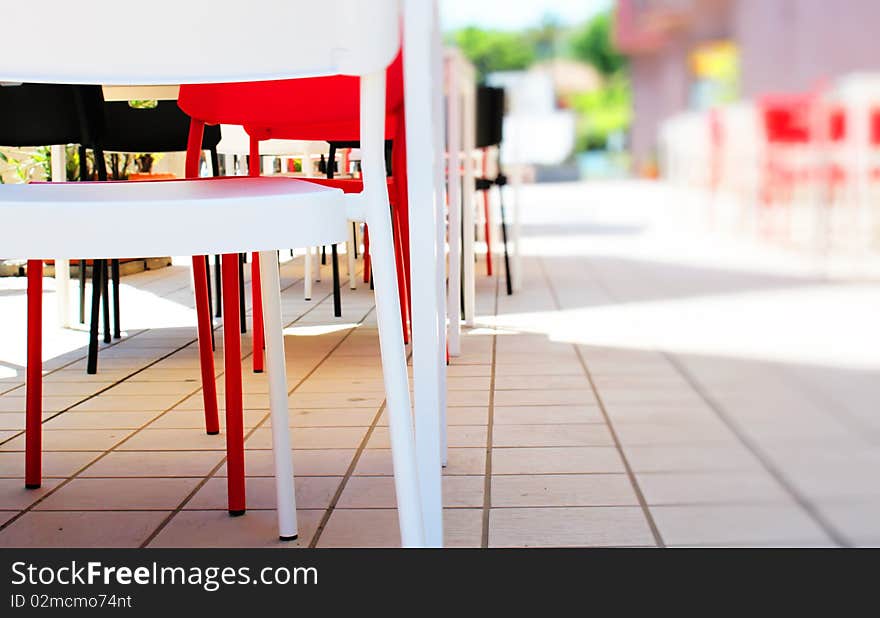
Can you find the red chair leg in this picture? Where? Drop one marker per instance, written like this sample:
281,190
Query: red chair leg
256,299
259,340
33,445
232,366
398,165
366,254
203,305
206,350
402,289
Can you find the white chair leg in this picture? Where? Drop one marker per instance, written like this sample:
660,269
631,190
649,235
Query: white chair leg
62,291
317,264
349,251
403,451
275,361
307,275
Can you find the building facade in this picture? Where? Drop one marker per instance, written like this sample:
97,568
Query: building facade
781,46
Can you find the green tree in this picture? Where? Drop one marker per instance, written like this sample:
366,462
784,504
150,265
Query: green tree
495,50
594,43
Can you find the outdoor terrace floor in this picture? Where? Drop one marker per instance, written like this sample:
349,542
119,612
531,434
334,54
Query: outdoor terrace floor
651,385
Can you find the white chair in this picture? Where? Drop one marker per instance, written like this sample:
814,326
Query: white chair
276,39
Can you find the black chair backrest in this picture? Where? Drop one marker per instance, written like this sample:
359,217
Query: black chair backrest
490,116
49,114
163,128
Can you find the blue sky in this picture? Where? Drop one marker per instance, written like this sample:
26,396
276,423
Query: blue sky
515,14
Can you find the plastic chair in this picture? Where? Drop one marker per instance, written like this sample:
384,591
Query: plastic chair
278,40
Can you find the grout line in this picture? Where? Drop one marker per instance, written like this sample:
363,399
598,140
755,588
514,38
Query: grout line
490,424
344,481
649,518
811,510
69,479
212,473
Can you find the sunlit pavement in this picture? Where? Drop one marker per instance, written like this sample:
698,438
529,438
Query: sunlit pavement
654,383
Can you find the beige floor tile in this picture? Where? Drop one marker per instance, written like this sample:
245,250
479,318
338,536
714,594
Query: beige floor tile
551,435
711,488
218,529
100,420
155,463
119,494
569,527
311,437
72,440
195,419
313,492
541,382
174,440
556,460
461,461
458,436
14,495
546,415
16,402
562,490
533,397
130,403
467,398
336,400
736,524
318,462
379,528
57,464
70,529
685,458
378,492
317,417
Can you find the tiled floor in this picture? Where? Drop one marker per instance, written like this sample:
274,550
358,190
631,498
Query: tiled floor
648,387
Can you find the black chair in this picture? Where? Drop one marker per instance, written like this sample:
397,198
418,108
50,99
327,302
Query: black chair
56,114
490,132
160,128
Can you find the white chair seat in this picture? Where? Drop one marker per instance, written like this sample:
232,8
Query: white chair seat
172,217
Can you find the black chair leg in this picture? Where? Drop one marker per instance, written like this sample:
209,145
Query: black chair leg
114,271
92,363
218,286
337,295
508,280
82,291
354,235
105,293
241,306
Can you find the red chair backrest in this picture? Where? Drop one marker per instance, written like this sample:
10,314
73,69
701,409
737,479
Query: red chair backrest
317,108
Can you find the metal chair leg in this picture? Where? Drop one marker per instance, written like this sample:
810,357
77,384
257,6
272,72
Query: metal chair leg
82,291
114,270
92,362
105,294
337,294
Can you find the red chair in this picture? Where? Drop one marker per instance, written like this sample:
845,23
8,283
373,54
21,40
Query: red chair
329,108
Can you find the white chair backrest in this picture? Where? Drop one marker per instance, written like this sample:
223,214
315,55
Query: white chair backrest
78,42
